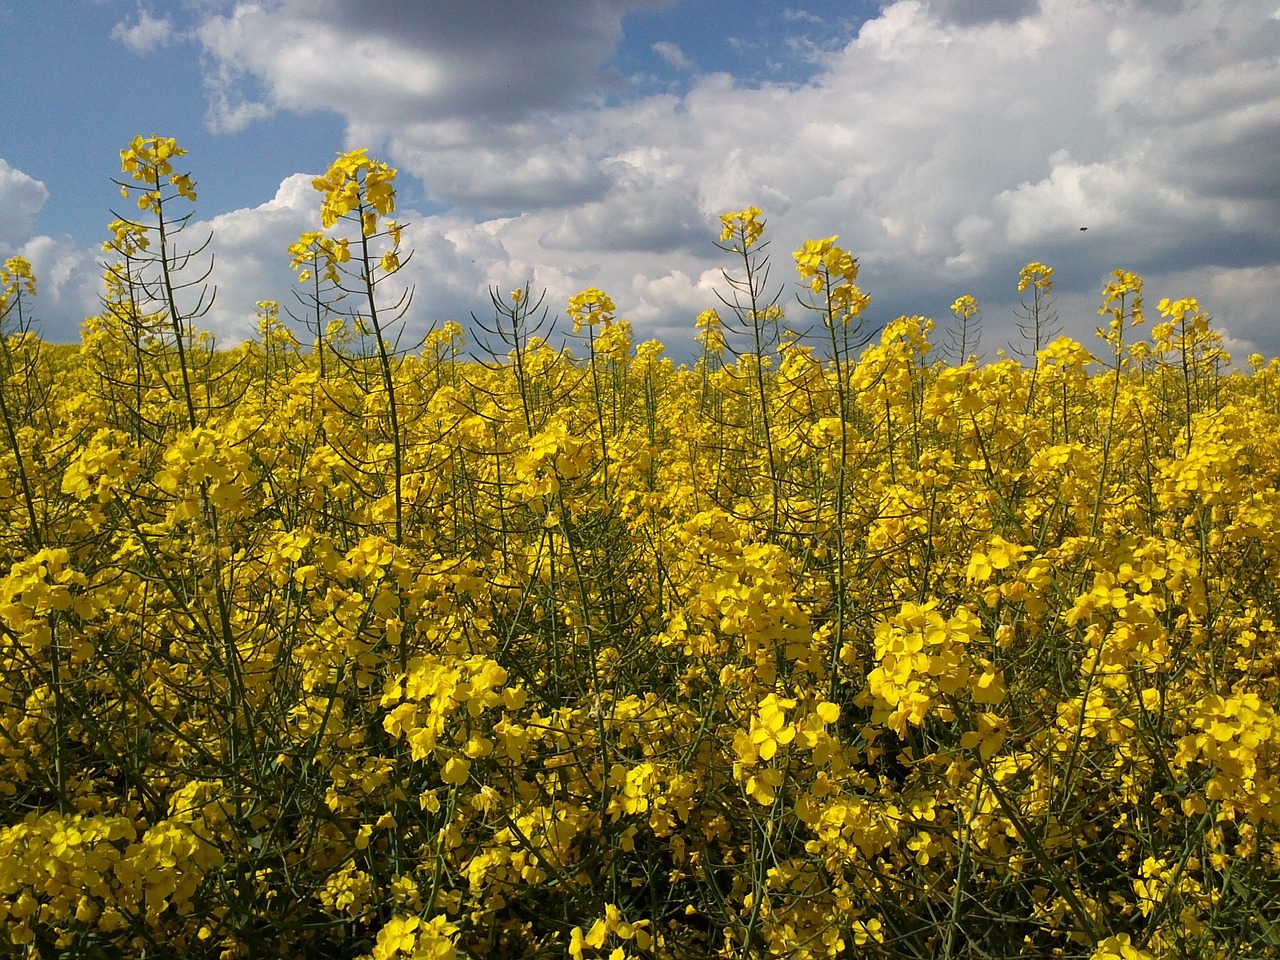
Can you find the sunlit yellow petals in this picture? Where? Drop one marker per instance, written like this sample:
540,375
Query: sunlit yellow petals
456,771
989,736
988,688
356,185
1119,947
1036,275
769,729
828,712
411,938
742,228
590,307
965,307
17,277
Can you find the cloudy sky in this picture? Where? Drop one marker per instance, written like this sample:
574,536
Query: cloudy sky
574,143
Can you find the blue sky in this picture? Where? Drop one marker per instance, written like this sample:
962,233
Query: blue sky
575,143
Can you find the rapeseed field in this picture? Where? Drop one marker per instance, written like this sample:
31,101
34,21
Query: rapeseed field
834,643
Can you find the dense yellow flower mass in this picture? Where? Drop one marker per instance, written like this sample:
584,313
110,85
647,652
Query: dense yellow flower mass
820,647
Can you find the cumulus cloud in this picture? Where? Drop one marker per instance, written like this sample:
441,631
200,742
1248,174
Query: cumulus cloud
454,260
68,282
249,260
672,54
66,272
21,197
650,206
949,143
401,61
144,34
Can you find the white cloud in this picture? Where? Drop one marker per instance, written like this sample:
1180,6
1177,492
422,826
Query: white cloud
21,197
250,262
144,35
494,169
67,285
453,261
949,143
792,15
673,55
66,273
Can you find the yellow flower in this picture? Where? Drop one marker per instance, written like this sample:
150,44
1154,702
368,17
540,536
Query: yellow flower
589,307
769,728
16,277
1122,295
831,273
456,771
1119,947
356,183
989,737
964,307
743,227
1037,275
